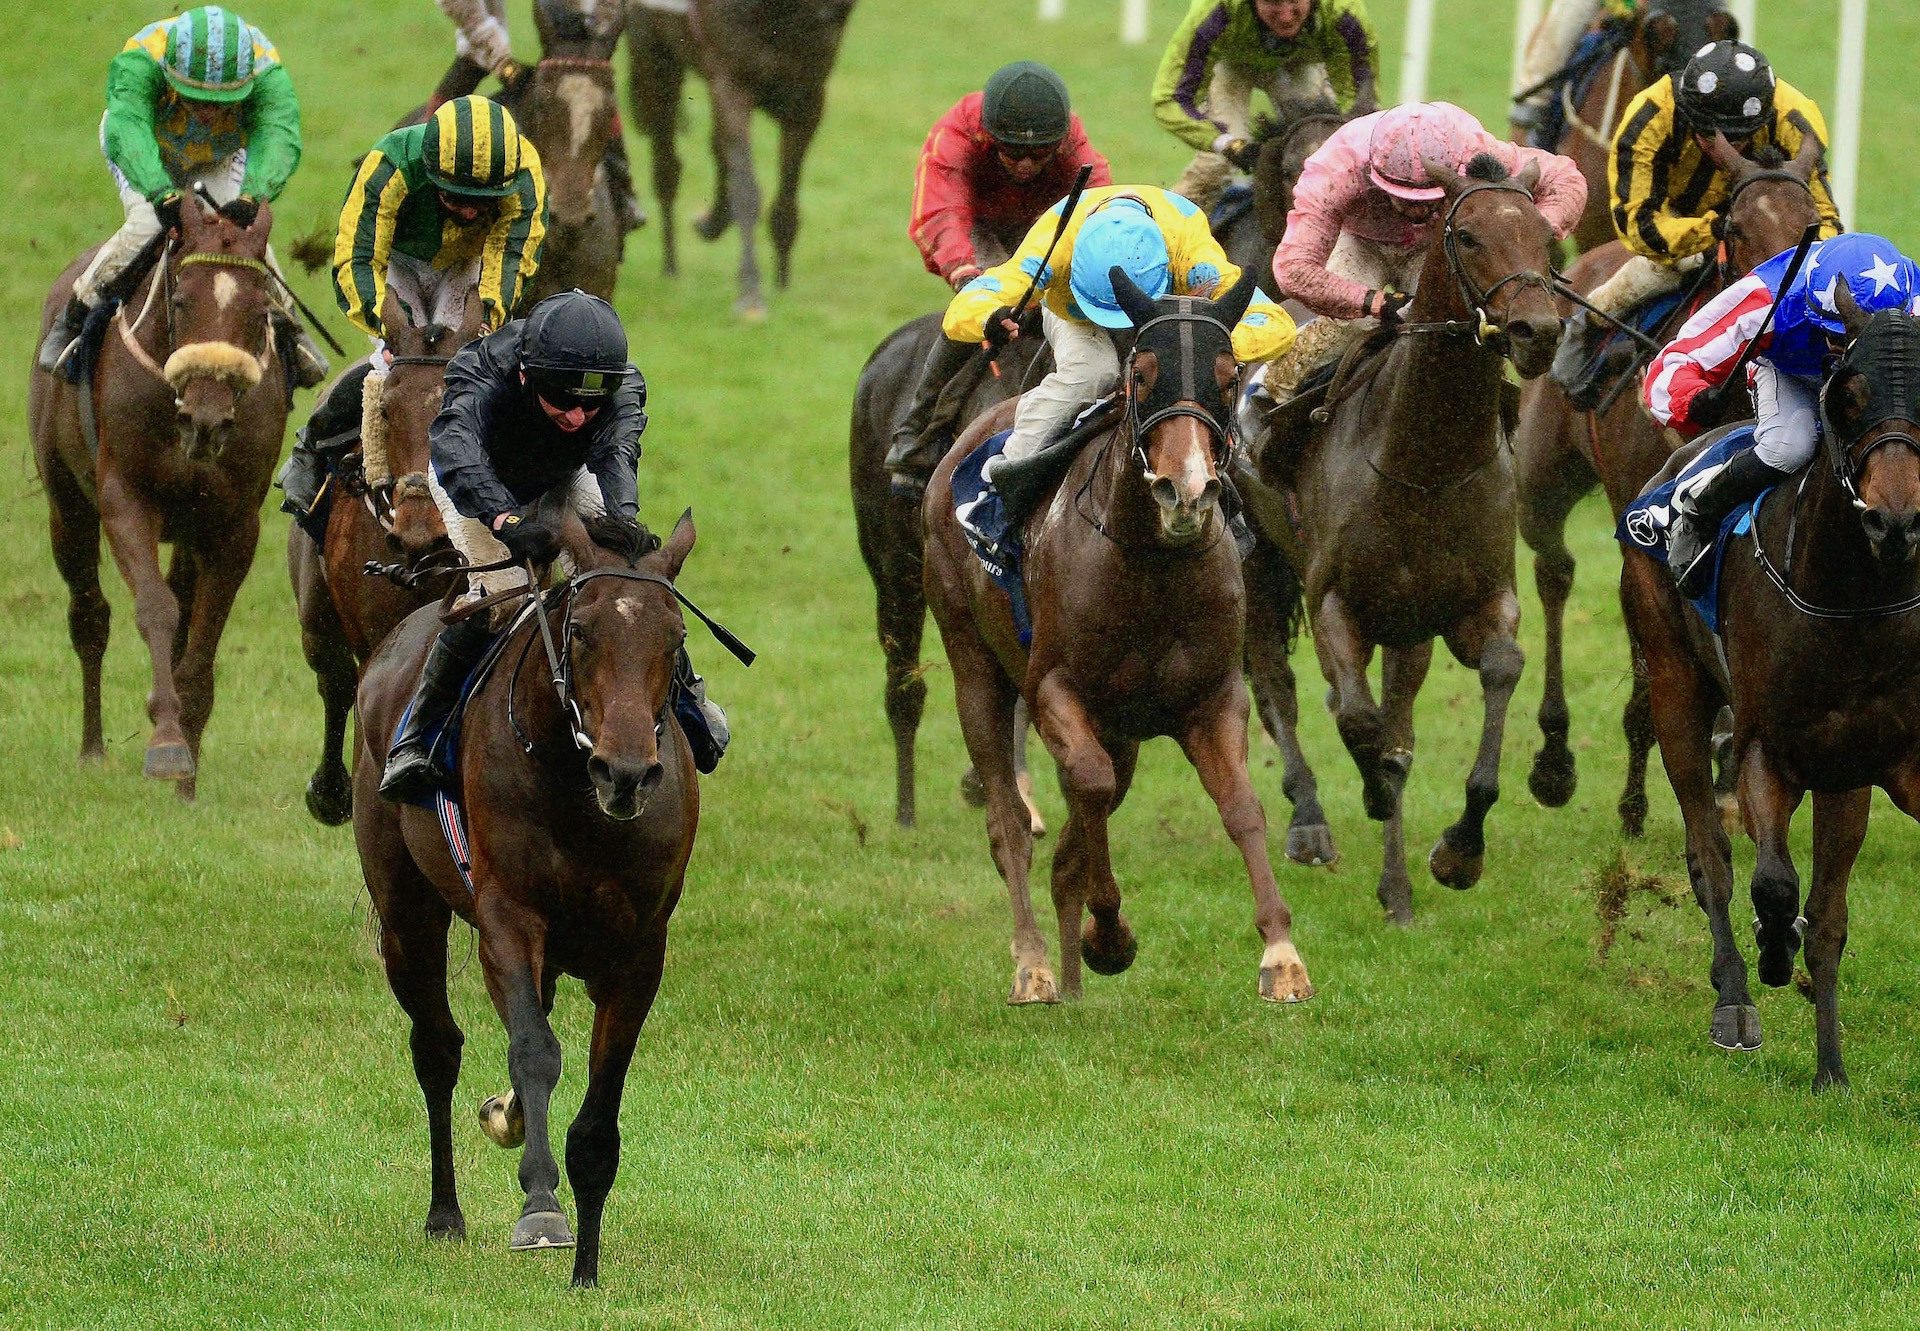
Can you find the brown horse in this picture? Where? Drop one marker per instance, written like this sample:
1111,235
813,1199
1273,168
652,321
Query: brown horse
1406,497
578,859
892,539
1665,35
569,111
344,613
775,55
1295,131
1138,615
189,396
1821,633
1560,454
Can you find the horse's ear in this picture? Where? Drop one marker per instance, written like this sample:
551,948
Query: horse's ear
1851,315
1807,160
1724,155
261,224
1441,174
1529,177
678,545
394,321
1137,303
1228,308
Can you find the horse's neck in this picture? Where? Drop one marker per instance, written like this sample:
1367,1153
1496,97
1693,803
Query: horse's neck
1440,392
1832,562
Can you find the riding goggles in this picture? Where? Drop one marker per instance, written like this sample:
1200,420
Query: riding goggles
567,389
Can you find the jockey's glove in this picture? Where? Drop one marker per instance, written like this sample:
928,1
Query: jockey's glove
1001,329
1711,404
167,209
241,211
529,537
1242,155
1391,306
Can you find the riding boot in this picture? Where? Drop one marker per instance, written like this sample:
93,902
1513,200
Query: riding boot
626,203
1697,516
915,451
413,772
1576,349
62,336
700,718
301,478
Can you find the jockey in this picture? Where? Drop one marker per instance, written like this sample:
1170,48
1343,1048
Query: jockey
1550,47
989,168
1688,385
1667,193
200,100
1365,210
481,47
1225,49
1159,240
439,214
540,419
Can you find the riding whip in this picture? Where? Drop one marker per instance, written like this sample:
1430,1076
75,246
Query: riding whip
1066,216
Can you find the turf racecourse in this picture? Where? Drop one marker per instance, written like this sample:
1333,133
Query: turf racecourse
1494,1118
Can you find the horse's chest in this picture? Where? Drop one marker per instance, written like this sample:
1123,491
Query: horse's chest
1849,729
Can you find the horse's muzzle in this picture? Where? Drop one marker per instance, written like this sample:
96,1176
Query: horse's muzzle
1184,510
1893,537
622,788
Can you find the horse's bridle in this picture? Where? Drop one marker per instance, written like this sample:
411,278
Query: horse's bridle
1188,400
1483,328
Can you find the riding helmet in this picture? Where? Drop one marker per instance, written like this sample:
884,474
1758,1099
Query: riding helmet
1871,268
1727,86
209,55
472,147
574,347
1123,235
1025,104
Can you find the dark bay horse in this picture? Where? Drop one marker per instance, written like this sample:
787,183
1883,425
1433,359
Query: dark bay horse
1820,611
892,538
1666,33
344,614
570,112
1560,454
1138,614
1406,499
189,395
578,859
1286,139
773,55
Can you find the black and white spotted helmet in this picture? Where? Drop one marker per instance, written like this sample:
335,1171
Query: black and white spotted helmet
1727,86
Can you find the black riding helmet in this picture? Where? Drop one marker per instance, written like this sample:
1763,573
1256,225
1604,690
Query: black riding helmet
1727,86
1025,104
574,348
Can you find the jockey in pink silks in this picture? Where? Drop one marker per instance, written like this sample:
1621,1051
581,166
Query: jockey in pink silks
1365,210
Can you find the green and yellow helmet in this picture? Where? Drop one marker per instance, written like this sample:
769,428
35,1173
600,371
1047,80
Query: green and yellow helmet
472,147
210,55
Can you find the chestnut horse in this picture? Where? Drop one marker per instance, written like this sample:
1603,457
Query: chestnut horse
1560,454
578,859
189,397
1820,616
344,613
1666,33
1138,617
1406,500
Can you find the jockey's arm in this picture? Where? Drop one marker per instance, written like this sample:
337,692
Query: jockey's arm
1185,74
1561,192
1004,284
1643,215
273,135
486,36
511,254
364,241
1352,57
1199,264
1701,356
457,441
941,220
1320,201
615,457
134,85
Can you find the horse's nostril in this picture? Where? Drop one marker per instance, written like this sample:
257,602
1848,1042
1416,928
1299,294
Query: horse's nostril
1210,492
652,776
600,771
1522,330
1165,492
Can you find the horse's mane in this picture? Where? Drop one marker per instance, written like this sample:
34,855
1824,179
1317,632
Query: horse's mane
1288,110
1487,167
629,540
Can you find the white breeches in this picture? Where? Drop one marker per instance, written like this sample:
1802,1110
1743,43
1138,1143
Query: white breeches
429,295
477,545
1551,44
1085,366
1641,278
1787,425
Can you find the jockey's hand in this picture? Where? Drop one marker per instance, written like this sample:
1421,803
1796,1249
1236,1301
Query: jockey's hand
1711,405
528,537
241,211
1242,155
167,209
1001,329
1390,307
964,274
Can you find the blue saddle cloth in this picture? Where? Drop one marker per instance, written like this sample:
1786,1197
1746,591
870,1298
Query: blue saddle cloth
981,515
1235,202
1644,523
1590,57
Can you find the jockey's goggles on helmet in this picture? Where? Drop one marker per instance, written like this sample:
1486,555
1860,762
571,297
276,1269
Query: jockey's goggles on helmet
567,389
1026,152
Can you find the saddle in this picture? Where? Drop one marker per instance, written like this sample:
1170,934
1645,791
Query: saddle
1022,485
1644,523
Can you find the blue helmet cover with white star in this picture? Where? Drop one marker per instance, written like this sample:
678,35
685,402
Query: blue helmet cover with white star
1871,267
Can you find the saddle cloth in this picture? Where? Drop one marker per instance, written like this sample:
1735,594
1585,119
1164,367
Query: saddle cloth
978,509
1645,522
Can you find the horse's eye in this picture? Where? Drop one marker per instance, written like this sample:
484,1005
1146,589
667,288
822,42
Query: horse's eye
1466,238
578,632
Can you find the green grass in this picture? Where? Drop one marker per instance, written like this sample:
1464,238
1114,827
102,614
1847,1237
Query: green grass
833,1121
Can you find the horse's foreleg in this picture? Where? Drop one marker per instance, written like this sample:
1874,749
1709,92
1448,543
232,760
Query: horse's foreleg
74,526
1309,839
783,219
323,642
902,614
1770,800
1402,671
620,1006
1344,654
1543,524
1484,643
1839,829
513,958
133,535
1082,867
733,149
1636,722
1217,748
215,583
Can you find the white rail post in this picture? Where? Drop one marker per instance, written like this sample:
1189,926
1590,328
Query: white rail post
1419,45
1052,11
1742,10
1133,21
1844,170
1526,17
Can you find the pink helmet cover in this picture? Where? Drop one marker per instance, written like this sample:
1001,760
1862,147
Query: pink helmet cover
1403,139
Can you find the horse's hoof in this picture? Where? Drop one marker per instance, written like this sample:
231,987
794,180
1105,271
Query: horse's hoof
329,801
1285,983
168,762
539,1230
1777,949
1453,868
1633,816
1736,1028
185,790
93,756
1553,777
448,1225
1107,951
1399,916
972,789
750,309
1312,845
1032,985
1824,1080
502,1121
708,227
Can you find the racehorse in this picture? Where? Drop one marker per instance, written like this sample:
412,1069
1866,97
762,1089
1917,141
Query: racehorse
1560,454
569,111
1286,140
1818,614
1138,614
344,613
1406,502
577,858
1663,37
892,539
188,396
772,54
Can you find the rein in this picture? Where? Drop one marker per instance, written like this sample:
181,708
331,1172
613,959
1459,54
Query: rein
1782,577
129,334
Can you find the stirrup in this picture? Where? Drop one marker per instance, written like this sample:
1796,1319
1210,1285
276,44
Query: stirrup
410,773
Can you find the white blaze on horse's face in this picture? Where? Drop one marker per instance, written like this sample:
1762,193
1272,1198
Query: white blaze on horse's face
584,100
225,288
1181,478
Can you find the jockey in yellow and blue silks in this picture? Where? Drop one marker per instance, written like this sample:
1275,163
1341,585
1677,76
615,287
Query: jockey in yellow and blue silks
1159,240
